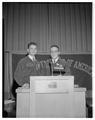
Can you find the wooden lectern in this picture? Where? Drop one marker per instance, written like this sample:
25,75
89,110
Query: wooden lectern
51,97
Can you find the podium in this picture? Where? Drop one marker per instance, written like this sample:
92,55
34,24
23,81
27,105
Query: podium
51,97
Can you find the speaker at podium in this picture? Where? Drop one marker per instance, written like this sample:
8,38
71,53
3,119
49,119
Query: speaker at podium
51,97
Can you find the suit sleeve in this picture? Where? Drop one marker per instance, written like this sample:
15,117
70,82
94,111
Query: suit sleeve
19,74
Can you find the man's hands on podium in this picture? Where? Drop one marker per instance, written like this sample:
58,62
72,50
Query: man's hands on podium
26,85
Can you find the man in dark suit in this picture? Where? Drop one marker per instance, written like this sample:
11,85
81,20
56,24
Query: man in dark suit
57,66
27,67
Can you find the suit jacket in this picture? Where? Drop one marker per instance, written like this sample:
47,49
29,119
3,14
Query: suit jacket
26,68
50,65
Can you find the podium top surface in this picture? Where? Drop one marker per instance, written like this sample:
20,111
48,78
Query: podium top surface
27,90
60,77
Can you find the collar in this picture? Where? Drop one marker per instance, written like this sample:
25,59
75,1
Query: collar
55,60
32,57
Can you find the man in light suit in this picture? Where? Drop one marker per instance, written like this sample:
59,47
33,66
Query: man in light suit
56,65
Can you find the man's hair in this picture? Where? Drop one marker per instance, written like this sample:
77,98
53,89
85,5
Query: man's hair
55,46
31,43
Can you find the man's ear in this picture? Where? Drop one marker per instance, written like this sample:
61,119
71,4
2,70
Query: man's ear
28,50
59,52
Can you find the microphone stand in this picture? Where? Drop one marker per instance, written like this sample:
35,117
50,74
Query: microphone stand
51,68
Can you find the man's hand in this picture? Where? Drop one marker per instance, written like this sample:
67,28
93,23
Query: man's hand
26,85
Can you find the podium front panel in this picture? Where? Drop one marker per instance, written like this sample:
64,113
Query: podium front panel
54,105
51,104
51,96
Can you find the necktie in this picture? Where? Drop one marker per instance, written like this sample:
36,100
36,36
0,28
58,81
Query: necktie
33,59
54,61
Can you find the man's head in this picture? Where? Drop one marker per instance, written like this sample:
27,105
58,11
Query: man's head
32,48
54,51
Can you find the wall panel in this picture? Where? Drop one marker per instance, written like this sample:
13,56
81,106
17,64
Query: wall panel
78,28
16,27
9,32
84,29
73,28
68,28
89,26
6,76
27,24
62,29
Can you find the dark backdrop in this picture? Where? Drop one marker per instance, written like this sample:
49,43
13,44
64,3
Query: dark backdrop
82,78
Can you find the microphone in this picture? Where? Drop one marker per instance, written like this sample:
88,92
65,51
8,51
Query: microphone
51,68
